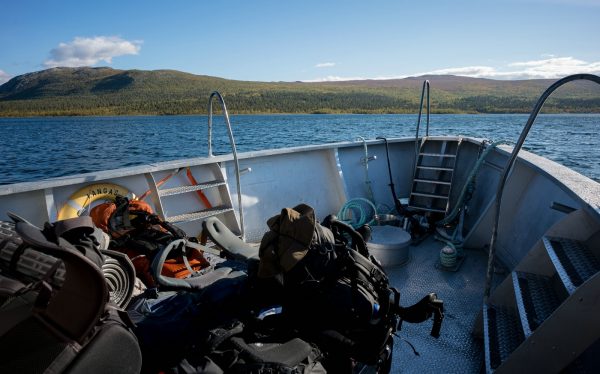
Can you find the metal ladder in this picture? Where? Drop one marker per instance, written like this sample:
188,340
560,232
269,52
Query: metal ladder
433,167
219,203
544,316
433,175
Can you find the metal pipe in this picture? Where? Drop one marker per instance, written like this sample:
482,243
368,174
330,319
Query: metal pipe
234,151
425,86
509,165
428,109
366,165
397,203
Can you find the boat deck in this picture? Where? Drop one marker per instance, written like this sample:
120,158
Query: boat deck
456,350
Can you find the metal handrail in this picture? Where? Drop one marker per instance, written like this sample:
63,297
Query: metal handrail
365,162
232,142
425,85
511,162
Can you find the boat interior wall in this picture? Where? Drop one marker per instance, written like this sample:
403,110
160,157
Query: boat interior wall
27,205
478,218
527,211
466,159
351,160
528,215
285,180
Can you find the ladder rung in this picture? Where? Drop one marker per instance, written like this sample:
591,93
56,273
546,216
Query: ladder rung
436,155
536,299
502,335
433,181
434,168
573,261
202,214
185,189
427,209
429,195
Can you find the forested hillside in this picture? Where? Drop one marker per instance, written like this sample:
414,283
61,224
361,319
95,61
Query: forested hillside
106,91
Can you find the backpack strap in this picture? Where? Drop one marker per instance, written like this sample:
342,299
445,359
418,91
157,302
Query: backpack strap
422,311
161,257
340,228
224,238
221,334
119,220
159,261
174,230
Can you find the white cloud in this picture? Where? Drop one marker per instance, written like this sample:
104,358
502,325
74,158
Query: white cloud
4,77
547,68
325,65
335,78
90,51
556,67
467,71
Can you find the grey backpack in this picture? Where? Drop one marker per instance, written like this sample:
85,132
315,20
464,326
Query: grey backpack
55,310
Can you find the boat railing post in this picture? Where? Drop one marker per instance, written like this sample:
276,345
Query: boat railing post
426,86
234,151
509,165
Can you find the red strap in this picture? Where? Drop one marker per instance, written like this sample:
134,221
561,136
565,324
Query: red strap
158,184
201,195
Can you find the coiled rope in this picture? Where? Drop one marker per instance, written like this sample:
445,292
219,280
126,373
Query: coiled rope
353,212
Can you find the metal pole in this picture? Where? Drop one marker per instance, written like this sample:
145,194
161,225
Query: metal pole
232,142
425,85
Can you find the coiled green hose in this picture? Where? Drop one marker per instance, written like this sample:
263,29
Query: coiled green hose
353,212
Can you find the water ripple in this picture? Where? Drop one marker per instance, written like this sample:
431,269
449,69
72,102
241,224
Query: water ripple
36,148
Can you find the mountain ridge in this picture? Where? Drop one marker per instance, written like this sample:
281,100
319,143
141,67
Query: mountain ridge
108,91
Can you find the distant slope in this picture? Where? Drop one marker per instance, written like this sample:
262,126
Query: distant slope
106,91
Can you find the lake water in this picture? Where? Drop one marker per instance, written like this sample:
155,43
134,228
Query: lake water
39,148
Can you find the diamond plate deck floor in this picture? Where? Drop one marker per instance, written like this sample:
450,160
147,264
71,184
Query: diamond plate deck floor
456,350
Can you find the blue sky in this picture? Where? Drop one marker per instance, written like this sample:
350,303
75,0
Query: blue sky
305,40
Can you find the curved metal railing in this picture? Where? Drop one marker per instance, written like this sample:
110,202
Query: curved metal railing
511,162
234,151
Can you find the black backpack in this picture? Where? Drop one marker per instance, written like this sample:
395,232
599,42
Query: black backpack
338,295
61,321
253,348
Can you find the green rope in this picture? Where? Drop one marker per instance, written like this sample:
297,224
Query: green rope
469,184
353,212
448,258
